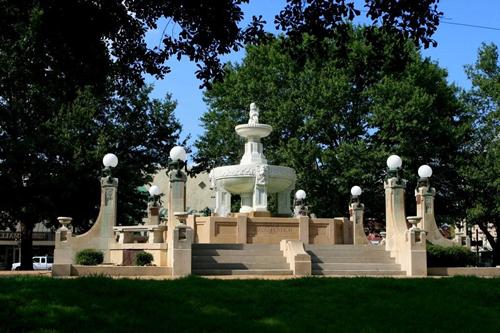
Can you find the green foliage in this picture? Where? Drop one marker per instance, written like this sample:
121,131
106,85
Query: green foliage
480,169
89,257
448,256
338,115
143,258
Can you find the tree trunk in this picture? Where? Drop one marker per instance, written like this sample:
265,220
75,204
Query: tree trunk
26,246
493,243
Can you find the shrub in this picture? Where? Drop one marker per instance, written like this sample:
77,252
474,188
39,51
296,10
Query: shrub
89,257
143,258
448,256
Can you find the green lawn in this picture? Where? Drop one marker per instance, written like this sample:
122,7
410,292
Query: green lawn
297,305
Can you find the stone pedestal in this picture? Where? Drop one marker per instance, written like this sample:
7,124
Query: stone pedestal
180,253
153,214
356,212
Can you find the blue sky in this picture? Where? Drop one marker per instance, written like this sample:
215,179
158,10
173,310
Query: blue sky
457,46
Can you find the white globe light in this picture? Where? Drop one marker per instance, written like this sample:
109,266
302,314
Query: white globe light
394,162
424,171
356,191
110,160
178,153
154,190
300,195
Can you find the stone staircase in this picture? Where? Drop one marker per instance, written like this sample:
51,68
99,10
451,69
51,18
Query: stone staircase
352,260
238,259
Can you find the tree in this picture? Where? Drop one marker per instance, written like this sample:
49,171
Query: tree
481,165
337,118
60,61
72,72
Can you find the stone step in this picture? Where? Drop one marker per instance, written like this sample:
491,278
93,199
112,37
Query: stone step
240,258
359,272
356,266
223,246
343,247
247,252
240,265
242,272
370,259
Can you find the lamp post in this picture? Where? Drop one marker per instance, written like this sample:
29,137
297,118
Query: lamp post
355,193
300,209
154,195
177,193
177,160
109,161
394,164
424,172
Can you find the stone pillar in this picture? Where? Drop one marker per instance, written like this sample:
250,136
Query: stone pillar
424,196
180,253
109,188
395,216
304,229
260,190
356,213
425,206
284,203
176,199
246,202
63,253
242,220
153,214
222,201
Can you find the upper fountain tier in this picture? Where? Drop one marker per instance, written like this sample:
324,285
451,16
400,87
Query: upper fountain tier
253,132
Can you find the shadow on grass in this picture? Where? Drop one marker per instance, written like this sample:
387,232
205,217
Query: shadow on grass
193,304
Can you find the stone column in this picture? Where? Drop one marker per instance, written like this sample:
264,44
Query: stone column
260,191
176,199
284,203
395,216
222,201
424,196
356,212
180,252
153,214
109,188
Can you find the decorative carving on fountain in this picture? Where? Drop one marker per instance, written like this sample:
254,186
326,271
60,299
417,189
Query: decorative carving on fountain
261,174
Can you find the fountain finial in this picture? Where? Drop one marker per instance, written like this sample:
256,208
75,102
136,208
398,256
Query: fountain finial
254,114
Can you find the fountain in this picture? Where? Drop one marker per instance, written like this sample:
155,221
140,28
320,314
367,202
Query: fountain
253,179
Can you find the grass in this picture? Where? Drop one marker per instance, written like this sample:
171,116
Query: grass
99,304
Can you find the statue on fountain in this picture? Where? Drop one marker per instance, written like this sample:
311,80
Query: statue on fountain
254,114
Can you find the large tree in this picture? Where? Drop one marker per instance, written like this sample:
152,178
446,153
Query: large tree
337,116
80,63
481,165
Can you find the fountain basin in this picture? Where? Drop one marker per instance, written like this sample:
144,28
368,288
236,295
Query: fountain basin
253,130
240,179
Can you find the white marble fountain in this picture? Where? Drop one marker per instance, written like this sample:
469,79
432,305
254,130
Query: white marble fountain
253,179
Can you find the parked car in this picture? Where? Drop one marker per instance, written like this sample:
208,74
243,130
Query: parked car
39,263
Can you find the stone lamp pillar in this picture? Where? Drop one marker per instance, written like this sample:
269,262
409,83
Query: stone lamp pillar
154,205
407,246
176,198
356,214
394,203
